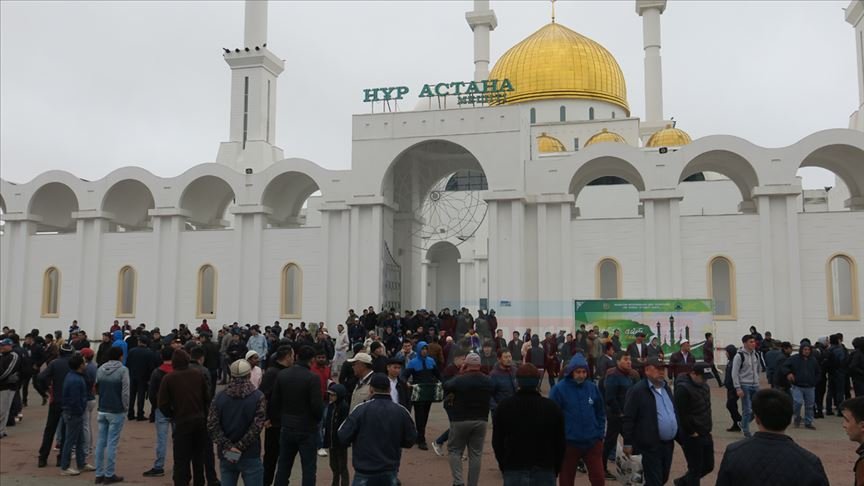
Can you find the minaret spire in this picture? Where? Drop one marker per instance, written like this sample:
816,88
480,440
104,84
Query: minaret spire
855,17
254,70
482,21
553,11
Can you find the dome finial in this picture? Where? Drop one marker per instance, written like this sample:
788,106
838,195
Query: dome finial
553,11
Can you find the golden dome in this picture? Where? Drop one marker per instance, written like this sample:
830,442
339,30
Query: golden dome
669,137
547,144
605,136
556,62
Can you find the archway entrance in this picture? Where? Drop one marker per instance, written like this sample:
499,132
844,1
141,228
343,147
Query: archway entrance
443,288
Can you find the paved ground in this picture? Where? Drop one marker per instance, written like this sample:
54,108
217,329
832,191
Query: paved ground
18,453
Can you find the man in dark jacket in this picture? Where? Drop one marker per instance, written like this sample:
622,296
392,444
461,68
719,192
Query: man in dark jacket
236,418
470,393
693,407
802,372
297,398
838,363
853,424
74,406
102,351
162,422
681,361
528,433
618,381
649,425
378,429
10,377
51,378
503,378
141,363
211,357
584,421
282,359
638,352
400,392
770,457
515,347
183,398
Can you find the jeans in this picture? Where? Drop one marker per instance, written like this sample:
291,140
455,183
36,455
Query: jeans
74,437
5,406
190,442
699,452
593,457
251,469
110,426
88,427
443,437
470,433
803,396
380,479
55,412
292,442
657,462
747,407
271,453
529,477
163,423
339,466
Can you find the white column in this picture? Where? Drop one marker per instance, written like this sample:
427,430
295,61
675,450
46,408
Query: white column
16,257
167,226
650,10
249,223
662,243
517,257
255,32
855,16
90,226
482,21
467,284
494,260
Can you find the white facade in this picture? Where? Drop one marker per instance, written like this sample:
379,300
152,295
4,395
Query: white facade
359,239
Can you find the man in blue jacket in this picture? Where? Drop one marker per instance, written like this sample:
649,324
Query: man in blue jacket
584,422
74,405
120,343
378,429
802,372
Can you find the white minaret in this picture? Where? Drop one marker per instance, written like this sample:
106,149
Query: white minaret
650,11
254,70
482,21
855,16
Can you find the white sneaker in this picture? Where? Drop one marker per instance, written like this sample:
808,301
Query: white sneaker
88,468
70,472
436,448
322,452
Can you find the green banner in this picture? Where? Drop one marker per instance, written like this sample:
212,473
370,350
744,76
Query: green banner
668,320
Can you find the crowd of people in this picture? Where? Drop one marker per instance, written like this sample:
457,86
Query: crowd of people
610,411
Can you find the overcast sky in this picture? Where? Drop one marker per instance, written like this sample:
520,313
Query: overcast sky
90,87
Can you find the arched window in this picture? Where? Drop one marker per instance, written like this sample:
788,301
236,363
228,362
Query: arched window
292,291
562,113
842,288
51,293
613,115
126,284
591,113
533,116
206,291
608,279
721,288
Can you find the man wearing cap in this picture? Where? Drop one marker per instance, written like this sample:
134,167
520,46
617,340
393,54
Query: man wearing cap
51,378
470,393
297,397
584,422
10,375
638,352
254,359
802,372
378,429
693,407
649,424
681,361
235,421
528,434
361,364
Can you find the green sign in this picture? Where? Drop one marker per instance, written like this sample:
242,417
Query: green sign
670,321
466,92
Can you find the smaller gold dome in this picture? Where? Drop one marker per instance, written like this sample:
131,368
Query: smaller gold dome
547,144
669,137
605,136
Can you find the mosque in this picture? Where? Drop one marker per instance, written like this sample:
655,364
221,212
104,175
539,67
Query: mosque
523,189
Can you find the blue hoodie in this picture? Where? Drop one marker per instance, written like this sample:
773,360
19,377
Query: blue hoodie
584,412
423,370
120,343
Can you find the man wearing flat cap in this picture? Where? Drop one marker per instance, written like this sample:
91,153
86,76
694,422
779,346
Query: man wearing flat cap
638,352
693,407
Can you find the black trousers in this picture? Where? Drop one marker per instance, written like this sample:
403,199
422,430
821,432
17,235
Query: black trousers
25,388
55,411
820,393
657,462
190,442
339,466
613,429
836,389
210,463
699,452
732,405
421,417
137,394
271,453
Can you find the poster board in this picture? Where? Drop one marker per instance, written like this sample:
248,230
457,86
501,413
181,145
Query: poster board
670,320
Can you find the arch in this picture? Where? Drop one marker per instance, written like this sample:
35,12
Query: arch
129,202
443,276
206,295
127,287
722,288
51,292
206,201
730,164
285,195
608,279
841,273
291,294
616,177
54,204
606,166
844,160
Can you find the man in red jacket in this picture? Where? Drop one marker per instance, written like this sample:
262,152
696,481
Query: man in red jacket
321,368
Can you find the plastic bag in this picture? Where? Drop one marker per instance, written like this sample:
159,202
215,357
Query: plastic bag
628,469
